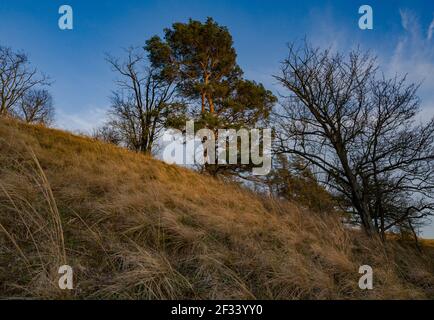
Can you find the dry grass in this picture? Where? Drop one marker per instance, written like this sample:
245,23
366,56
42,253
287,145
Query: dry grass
134,228
428,242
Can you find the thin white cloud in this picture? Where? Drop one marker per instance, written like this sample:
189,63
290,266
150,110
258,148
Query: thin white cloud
80,122
414,56
404,19
324,32
431,30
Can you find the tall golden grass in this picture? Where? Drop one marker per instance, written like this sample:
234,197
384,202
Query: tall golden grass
135,228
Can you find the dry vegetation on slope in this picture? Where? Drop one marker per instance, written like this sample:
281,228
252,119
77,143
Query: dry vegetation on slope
133,227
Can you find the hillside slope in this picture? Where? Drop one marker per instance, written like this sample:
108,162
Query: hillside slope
134,227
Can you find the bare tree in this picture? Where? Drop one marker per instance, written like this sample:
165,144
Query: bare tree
16,78
140,106
358,129
35,106
107,133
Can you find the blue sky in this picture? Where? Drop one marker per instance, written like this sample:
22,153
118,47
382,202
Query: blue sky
403,39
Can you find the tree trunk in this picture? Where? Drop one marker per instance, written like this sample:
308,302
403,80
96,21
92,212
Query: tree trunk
211,104
357,194
202,95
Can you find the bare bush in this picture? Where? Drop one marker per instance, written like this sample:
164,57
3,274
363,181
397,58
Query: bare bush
36,106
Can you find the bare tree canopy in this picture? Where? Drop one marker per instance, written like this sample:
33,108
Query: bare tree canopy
36,106
108,134
16,78
140,105
359,130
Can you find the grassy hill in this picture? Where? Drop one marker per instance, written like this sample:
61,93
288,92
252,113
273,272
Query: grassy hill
134,227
